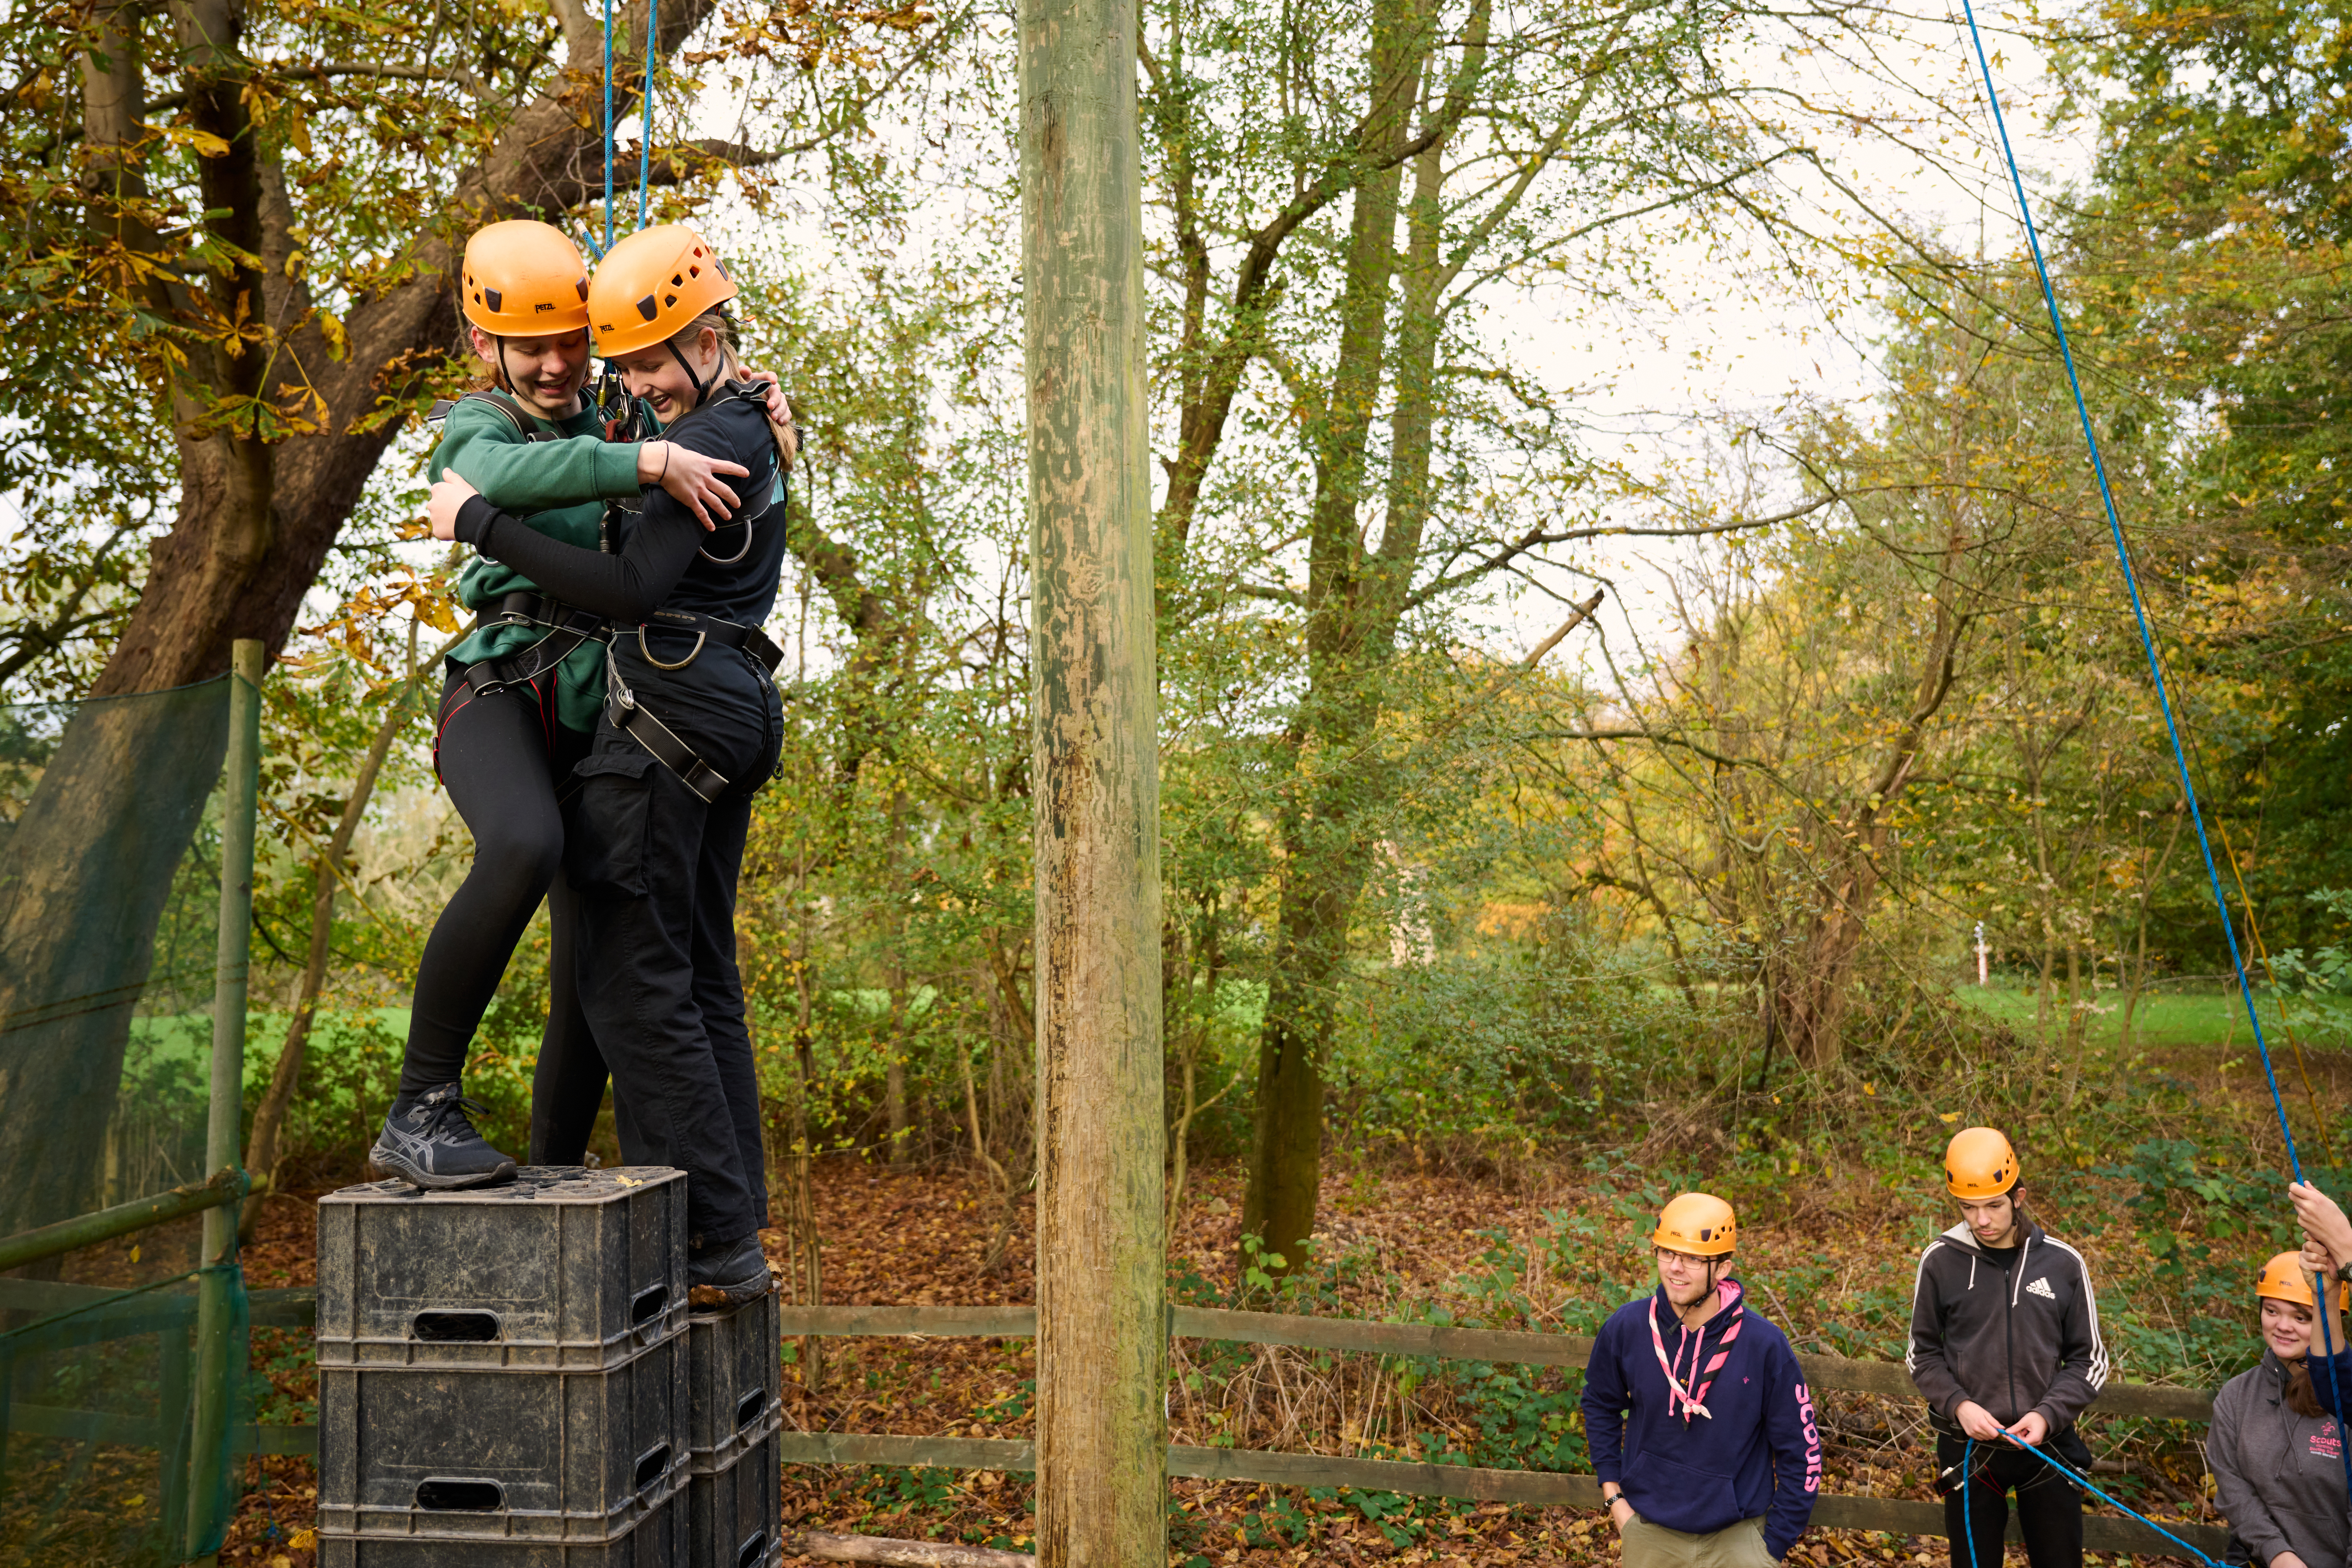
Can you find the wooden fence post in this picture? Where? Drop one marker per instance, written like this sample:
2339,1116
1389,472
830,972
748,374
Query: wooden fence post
220,1347
1101,1333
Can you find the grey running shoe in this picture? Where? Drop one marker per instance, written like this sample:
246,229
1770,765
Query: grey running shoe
728,1274
430,1142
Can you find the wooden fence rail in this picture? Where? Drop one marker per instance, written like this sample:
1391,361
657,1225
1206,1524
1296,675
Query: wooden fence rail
1902,1516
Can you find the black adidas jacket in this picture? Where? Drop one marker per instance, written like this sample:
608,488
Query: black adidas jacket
2016,1340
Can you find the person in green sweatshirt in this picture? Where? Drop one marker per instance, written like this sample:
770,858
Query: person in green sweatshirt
520,700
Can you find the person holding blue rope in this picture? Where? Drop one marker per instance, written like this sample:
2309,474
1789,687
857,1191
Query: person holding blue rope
1707,1455
2005,1346
2272,1448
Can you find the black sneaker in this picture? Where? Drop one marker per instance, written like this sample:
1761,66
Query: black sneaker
429,1143
727,1275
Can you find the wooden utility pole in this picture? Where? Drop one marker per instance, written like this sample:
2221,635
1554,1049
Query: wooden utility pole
1101,1335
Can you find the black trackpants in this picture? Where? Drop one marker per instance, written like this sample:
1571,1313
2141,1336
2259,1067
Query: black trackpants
654,867
502,758
2049,1506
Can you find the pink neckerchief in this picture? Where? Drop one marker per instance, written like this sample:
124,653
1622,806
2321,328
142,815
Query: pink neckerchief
1728,1290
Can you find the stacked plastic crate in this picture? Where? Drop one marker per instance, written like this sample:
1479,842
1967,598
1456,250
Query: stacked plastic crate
734,1489
504,1375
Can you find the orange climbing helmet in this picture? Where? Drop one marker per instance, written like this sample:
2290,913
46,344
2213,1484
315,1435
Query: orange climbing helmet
651,285
1700,1224
2283,1280
523,278
1979,1164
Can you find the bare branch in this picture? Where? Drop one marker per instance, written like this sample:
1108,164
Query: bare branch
1536,538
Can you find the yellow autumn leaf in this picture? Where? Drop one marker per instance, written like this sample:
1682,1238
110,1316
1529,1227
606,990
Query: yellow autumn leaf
207,145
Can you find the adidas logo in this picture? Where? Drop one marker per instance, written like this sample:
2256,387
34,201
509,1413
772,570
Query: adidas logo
2042,1288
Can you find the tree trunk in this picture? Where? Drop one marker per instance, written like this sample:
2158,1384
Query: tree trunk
1351,609
1815,998
1101,1495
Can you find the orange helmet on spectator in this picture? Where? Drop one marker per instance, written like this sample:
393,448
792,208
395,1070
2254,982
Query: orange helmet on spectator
1700,1224
2283,1280
1979,1164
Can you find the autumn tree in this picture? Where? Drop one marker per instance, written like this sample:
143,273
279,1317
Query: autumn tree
247,215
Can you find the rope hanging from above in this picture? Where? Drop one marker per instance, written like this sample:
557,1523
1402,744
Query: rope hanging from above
2154,667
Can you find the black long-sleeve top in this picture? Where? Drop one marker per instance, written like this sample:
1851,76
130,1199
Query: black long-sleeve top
663,559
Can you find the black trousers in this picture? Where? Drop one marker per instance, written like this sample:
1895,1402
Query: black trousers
2049,1506
503,759
655,867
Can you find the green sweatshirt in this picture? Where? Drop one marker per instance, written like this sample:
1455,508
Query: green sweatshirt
556,487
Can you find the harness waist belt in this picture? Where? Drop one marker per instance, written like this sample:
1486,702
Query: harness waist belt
568,630
726,634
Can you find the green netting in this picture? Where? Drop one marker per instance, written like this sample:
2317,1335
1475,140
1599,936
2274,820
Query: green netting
111,1355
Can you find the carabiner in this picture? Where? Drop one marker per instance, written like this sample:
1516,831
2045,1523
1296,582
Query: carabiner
692,653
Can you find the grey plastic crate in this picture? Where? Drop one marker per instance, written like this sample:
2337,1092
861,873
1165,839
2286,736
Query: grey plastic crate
735,1516
659,1540
467,1452
561,1266
737,1361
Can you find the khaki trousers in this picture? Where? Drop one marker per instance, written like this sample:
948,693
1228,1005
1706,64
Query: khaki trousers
1739,1545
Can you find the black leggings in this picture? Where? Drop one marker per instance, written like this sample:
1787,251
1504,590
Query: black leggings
2049,1508
503,758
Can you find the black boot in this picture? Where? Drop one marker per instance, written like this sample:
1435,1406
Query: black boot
726,1274
429,1141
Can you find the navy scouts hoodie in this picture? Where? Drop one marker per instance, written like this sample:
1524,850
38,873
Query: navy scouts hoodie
1746,1447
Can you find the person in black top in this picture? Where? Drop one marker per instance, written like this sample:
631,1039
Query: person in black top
692,727
2005,1346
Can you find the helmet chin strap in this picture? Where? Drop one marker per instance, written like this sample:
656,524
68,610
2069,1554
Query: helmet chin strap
700,389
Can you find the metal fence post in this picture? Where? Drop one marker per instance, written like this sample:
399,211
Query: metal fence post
220,1350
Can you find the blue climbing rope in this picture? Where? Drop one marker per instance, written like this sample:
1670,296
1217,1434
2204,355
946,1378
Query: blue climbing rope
1968,1474
2163,699
608,124
646,138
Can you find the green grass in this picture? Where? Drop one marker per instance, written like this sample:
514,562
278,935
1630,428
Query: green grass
2208,1020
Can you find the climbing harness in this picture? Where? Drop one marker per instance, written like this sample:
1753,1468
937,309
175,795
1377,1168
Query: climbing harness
621,705
2156,675
641,725
526,427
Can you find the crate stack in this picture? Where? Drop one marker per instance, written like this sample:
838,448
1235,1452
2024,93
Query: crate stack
506,1376
734,1486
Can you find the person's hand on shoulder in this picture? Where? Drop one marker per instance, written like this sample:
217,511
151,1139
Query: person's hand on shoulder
691,478
450,492
780,417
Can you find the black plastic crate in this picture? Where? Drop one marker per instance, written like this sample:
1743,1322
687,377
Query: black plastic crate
735,1516
659,1540
737,1361
469,1452
561,1267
